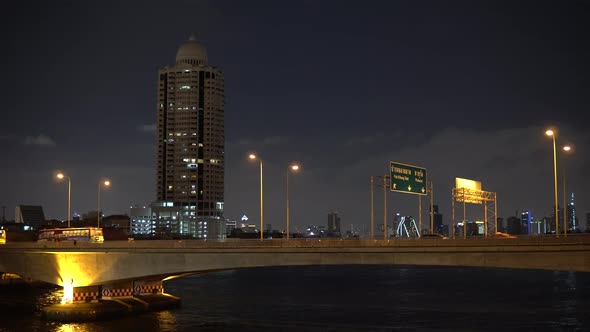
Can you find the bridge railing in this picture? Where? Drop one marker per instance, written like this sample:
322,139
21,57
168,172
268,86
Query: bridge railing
300,243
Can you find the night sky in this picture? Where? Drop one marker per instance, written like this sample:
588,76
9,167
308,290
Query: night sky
462,88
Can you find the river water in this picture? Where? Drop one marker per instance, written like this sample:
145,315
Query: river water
343,298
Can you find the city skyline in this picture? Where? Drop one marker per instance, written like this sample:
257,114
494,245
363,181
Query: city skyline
403,84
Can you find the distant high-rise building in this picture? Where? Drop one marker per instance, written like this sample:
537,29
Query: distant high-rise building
437,220
572,218
191,134
513,225
500,222
333,222
525,222
551,221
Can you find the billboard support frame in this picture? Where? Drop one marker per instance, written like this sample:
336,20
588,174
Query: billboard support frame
487,198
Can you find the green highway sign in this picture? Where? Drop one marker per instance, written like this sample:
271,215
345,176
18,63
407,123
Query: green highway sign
407,178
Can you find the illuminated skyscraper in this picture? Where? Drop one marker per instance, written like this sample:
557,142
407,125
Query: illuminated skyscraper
191,135
572,218
526,220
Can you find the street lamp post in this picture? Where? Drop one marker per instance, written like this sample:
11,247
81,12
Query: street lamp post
293,168
552,134
567,149
61,176
372,212
253,157
106,183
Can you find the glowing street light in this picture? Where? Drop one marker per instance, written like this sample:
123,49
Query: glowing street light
254,157
101,183
292,168
567,149
61,176
550,132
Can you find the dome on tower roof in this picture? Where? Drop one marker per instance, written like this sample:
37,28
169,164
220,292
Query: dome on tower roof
192,52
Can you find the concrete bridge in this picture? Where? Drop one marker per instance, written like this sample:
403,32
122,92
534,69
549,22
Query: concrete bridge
127,268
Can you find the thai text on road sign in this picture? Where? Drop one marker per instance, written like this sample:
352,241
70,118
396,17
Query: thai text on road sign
408,179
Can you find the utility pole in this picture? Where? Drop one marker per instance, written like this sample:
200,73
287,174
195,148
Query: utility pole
372,213
431,209
385,235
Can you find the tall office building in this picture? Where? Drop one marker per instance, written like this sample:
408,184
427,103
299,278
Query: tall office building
191,135
525,222
572,218
500,223
514,225
333,222
437,220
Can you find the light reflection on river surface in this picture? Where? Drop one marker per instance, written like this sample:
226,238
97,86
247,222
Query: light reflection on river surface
342,298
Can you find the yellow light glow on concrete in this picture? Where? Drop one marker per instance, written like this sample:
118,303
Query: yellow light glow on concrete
252,156
76,269
549,132
567,148
68,293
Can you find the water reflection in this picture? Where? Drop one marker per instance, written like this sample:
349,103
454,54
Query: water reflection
565,298
364,298
49,296
166,320
73,328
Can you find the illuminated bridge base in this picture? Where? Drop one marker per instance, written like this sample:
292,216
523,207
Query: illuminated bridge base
114,299
91,310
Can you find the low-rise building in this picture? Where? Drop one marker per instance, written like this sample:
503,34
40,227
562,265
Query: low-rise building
164,221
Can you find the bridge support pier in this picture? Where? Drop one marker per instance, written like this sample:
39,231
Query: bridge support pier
117,290
112,300
147,287
128,289
89,294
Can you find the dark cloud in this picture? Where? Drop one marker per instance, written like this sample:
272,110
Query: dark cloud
463,88
147,128
264,142
39,140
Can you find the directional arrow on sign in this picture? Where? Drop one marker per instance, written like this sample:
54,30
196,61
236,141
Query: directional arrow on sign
407,179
